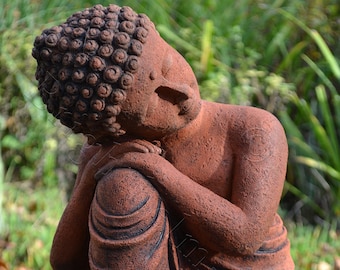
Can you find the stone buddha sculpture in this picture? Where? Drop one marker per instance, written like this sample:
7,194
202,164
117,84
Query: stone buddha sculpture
166,180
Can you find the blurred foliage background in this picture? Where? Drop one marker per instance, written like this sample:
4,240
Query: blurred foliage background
281,55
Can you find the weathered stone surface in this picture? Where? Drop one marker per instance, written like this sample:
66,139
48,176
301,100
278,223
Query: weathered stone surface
166,180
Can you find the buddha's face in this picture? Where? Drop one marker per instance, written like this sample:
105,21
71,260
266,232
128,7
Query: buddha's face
165,95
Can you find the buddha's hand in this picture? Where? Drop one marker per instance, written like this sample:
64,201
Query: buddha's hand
151,164
94,158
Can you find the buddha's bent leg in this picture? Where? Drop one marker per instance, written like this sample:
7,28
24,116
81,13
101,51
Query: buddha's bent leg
128,225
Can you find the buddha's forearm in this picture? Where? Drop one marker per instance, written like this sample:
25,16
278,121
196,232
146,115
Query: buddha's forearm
214,221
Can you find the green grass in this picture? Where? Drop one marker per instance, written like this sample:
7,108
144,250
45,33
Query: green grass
279,55
313,246
31,216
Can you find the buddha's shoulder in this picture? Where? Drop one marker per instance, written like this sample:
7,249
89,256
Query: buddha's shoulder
241,116
246,121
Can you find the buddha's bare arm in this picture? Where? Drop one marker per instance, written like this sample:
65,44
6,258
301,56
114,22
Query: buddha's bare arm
70,244
239,225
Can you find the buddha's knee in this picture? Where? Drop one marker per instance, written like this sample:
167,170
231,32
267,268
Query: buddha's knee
125,205
127,218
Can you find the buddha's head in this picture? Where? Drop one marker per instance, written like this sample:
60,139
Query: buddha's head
106,72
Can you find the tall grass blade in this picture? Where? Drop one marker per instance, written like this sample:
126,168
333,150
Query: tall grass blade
336,106
319,165
173,37
290,125
320,73
295,137
306,199
329,124
291,56
35,105
318,130
207,45
330,58
326,53
278,43
2,175
303,148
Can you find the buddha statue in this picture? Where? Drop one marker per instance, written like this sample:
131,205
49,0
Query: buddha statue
166,180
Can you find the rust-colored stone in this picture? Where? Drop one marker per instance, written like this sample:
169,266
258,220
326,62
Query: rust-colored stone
166,180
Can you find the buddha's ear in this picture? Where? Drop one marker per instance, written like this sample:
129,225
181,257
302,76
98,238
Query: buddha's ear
174,93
